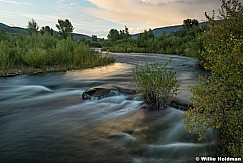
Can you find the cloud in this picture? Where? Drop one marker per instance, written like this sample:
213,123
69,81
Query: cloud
64,4
15,2
41,17
151,13
7,14
78,22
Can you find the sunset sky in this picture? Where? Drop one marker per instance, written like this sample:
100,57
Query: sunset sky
97,17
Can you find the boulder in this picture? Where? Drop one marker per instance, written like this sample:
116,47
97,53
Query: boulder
98,92
103,91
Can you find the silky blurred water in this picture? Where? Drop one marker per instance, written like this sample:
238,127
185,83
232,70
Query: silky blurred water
44,119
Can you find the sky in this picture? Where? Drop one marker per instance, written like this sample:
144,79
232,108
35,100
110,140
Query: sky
97,17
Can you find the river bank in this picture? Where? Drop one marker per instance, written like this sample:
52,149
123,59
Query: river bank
33,71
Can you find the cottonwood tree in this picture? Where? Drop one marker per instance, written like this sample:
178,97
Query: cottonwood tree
65,28
189,23
94,38
124,34
32,27
113,35
46,29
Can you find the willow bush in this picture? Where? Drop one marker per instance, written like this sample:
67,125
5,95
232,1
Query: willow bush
44,51
218,99
156,84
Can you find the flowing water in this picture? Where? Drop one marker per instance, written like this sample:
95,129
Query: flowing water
44,119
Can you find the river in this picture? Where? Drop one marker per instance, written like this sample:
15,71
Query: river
44,119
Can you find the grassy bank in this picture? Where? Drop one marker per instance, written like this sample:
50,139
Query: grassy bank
45,53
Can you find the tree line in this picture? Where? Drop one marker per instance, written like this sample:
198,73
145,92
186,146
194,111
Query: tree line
64,27
182,42
45,50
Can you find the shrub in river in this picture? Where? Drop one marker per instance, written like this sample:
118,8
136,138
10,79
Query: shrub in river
217,100
156,84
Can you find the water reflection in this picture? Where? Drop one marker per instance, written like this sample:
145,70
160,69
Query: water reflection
100,72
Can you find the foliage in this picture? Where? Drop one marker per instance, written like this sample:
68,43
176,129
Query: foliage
146,35
94,42
65,28
156,84
44,51
217,100
46,29
189,23
32,27
115,35
184,41
124,34
94,38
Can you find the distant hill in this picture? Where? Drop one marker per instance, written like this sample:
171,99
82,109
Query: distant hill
81,37
12,30
16,30
167,30
160,31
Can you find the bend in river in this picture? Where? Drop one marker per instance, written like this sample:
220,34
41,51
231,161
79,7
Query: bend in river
44,119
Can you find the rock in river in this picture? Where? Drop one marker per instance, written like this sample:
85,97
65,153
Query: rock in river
103,91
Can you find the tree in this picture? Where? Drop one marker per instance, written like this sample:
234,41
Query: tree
124,34
46,29
189,23
146,39
65,28
217,100
94,38
113,35
32,27
147,34
126,30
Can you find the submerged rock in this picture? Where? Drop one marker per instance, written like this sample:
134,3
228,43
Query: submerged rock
98,92
104,91
180,104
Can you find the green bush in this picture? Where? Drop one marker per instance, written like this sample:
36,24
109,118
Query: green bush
217,100
35,58
44,51
8,55
156,84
